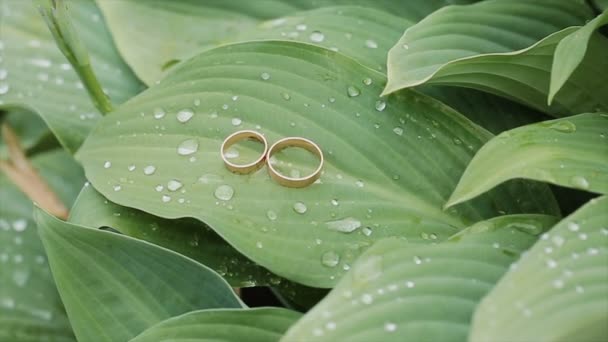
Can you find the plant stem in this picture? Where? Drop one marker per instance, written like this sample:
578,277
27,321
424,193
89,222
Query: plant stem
21,172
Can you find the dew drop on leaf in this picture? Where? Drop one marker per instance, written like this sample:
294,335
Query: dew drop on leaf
353,91
563,127
371,44
166,198
398,131
380,105
149,170
187,147
265,76
330,259
271,215
390,327
174,185
346,225
299,207
367,81
184,115
107,165
579,182
236,121
317,37
159,113
224,192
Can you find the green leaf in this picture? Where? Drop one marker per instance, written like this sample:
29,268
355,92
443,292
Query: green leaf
34,75
571,152
602,4
252,325
398,291
28,126
30,307
290,89
188,237
494,46
110,280
572,50
182,28
559,289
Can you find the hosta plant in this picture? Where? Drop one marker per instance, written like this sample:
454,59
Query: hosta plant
463,194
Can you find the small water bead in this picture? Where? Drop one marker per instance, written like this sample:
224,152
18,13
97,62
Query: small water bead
582,236
563,127
367,81
197,102
558,240
19,225
235,97
390,327
300,207
330,326
371,44
184,115
380,105
332,100
330,259
131,168
149,170
551,263
417,260
159,113
117,187
346,225
159,188
225,106
405,47
317,37
3,74
271,215
558,283
359,184
166,198
286,96
259,244
187,147
579,182
174,185
409,284
301,27
366,298
353,91
231,153
367,231
398,131
107,165
265,76
236,121
224,192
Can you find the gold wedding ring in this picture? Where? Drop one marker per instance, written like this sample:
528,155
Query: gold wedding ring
236,137
292,182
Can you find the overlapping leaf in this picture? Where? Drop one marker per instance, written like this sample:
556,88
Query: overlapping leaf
398,291
183,27
157,161
29,127
494,46
30,307
254,325
35,75
570,152
559,289
571,52
111,280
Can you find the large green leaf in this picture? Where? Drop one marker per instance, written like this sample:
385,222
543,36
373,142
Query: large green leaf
398,291
35,75
253,325
182,27
570,152
189,237
571,52
28,126
114,286
558,291
30,307
381,178
494,46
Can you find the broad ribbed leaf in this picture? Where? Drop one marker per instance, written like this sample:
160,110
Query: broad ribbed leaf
494,46
570,152
252,325
154,162
35,75
189,237
114,286
559,289
571,52
602,4
398,291
30,307
183,27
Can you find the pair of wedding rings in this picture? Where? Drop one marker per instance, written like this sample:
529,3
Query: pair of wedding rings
292,182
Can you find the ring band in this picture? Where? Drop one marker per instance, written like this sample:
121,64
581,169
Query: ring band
292,182
236,137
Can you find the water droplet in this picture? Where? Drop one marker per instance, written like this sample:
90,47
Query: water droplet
235,97
366,298
317,37
231,153
184,115
197,102
330,259
159,113
236,121
417,260
174,185
353,91
166,198
265,76
259,244
301,27
367,231
225,106
346,225
359,184
564,127
551,263
398,131
380,105
579,182
410,284
335,202
299,207
390,327
271,215
19,225
107,165
117,187
330,325
149,170
224,192
405,47
371,44
367,81
3,74
187,147
286,96
131,168
159,188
